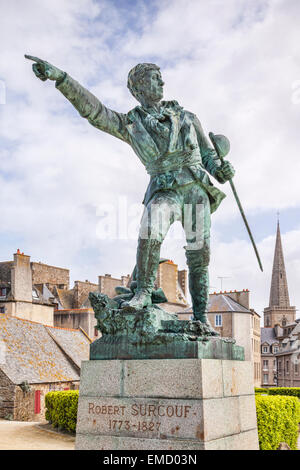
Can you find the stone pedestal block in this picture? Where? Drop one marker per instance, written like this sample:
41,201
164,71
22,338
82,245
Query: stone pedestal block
164,404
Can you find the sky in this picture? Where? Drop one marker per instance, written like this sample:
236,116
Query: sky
236,67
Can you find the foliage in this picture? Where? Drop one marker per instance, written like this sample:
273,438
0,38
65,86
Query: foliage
61,409
277,421
261,390
290,391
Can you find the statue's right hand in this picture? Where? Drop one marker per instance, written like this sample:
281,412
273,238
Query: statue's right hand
43,70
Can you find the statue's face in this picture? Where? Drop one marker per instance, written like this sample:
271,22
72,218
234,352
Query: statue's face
152,86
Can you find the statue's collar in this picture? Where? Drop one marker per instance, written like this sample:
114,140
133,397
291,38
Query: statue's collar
164,106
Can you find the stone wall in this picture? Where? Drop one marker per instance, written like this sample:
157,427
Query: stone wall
50,275
107,284
75,319
7,397
28,311
274,316
183,281
167,279
226,329
25,402
5,271
81,292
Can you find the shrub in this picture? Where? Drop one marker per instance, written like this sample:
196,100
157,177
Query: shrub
261,390
277,421
290,391
61,409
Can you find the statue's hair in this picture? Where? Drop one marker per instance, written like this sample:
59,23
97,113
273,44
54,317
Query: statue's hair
136,76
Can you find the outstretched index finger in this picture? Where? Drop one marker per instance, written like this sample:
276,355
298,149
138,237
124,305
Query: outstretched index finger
35,59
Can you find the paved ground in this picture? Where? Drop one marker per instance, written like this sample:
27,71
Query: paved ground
19,435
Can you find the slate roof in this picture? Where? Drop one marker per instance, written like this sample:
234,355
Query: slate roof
267,335
224,303
65,298
32,354
221,303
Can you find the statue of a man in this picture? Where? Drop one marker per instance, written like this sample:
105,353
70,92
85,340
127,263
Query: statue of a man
171,144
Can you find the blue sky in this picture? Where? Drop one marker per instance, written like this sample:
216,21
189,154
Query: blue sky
237,68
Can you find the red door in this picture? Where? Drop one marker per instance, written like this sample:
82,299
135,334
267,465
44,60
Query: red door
37,402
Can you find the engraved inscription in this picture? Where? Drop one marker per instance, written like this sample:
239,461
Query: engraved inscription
140,417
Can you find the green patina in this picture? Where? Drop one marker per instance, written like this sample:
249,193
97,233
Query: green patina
178,157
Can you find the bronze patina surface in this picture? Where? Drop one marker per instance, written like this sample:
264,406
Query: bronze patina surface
179,158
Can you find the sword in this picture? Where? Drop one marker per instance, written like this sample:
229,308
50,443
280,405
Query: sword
221,145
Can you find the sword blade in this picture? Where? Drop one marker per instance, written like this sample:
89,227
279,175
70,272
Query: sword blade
219,153
245,222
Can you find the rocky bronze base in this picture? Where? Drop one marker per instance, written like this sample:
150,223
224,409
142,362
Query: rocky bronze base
120,347
152,333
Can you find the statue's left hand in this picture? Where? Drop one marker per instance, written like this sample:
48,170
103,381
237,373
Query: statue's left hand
226,170
43,70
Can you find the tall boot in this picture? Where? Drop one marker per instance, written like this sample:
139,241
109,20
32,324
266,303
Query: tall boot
197,261
148,256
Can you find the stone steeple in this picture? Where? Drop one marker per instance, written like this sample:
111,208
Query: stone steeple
279,293
279,311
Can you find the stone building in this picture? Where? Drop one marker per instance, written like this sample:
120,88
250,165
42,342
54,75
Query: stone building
36,359
230,314
74,309
26,288
280,331
288,356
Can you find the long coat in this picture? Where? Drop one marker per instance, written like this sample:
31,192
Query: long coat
171,144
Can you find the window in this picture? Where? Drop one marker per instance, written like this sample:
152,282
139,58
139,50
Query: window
266,378
218,320
266,364
2,309
265,349
275,349
287,365
3,291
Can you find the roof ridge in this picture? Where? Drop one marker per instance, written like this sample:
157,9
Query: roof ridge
43,324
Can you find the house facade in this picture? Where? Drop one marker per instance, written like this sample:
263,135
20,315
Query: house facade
230,314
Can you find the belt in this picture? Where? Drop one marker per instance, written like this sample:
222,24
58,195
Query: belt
171,161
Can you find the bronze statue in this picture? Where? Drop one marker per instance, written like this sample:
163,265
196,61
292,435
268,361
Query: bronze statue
171,144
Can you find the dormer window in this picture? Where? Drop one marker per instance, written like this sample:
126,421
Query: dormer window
35,294
265,349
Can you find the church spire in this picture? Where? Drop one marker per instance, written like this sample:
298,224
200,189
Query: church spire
279,294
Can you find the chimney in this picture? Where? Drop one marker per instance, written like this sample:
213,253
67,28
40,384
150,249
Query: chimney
242,297
21,278
182,279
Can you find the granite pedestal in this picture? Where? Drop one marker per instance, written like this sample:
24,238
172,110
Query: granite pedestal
164,404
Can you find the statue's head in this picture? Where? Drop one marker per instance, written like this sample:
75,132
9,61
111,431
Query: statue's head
145,83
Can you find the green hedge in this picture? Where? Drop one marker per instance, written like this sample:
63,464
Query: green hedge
261,390
61,409
290,391
277,421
